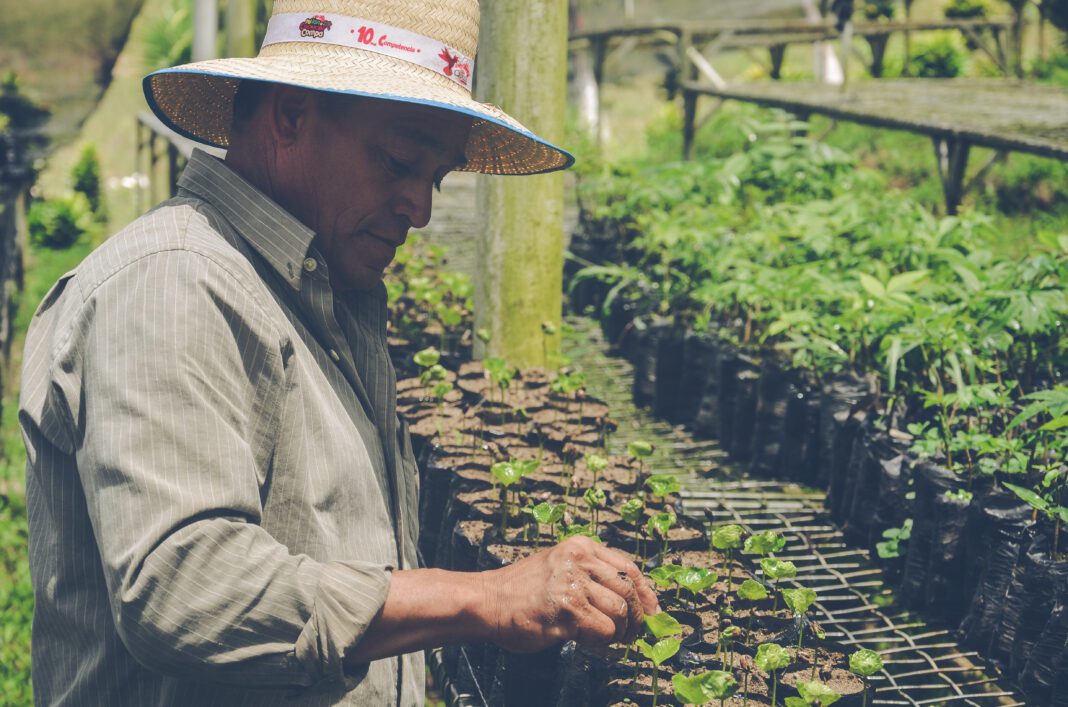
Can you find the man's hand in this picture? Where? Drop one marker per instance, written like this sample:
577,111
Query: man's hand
578,590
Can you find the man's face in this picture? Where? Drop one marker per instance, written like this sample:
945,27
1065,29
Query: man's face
362,174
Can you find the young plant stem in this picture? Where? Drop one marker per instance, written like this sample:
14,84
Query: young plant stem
774,686
656,675
745,690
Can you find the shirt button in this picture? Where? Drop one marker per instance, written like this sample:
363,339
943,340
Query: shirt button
310,264
333,355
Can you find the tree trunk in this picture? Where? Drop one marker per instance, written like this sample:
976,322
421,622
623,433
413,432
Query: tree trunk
522,67
241,27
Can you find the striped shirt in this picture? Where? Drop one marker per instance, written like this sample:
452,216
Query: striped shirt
217,483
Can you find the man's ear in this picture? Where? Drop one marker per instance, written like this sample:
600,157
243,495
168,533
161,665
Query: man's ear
289,112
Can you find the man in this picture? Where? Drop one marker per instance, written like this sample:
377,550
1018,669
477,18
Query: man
222,501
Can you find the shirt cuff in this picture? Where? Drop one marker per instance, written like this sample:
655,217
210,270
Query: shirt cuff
347,599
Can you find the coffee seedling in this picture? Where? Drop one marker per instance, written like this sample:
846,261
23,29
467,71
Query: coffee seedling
699,688
548,514
751,591
506,474
665,629
813,694
639,450
798,601
775,570
765,543
771,658
595,499
595,464
662,485
696,580
865,663
658,526
728,538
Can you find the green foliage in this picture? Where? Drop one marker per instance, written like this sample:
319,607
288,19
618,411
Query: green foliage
659,524
659,651
699,688
891,546
875,10
799,600
596,463
85,179
662,484
1053,70
632,511
816,693
966,9
775,569
696,579
594,498
16,596
639,449
771,657
727,537
662,625
506,473
752,590
940,57
865,662
763,543
1027,184
548,513
59,222
169,40
664,575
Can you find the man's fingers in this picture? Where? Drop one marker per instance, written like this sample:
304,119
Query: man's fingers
646,595
615,607
595,630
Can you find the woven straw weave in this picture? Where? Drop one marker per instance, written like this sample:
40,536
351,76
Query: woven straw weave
197,99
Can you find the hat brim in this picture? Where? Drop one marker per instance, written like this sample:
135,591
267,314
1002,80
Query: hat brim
196,101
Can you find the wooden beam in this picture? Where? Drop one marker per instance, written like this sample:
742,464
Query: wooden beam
689,118
702,64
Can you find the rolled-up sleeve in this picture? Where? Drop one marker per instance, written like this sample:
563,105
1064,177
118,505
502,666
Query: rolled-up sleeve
171,376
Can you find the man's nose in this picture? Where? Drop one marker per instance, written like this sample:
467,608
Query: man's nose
416,203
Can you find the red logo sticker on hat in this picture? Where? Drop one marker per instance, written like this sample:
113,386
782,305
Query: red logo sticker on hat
315,26
454,68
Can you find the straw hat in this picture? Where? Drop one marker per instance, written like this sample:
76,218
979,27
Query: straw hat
402,50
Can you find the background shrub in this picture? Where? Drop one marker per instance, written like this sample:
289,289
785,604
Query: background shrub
938,58
85,178
57,223
966,9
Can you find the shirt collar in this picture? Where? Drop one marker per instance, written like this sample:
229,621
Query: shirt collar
282,240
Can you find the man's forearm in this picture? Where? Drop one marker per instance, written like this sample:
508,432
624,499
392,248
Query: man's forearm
575,590
426,608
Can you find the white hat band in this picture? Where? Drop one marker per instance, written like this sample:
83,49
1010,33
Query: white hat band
372,36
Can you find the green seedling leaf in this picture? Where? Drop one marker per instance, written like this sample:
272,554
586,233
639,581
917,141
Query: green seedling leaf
1058,423
660,651
548,513
442,389
576,529
727,537
721,684
633,511
771,657
696,579
659,524
752,590
1029,497
872,286
596,463
663,484
664,575
662,625
526,467
436,372
640,449
865,662
777,569
505,473
594,498
427,357
692,690
816,692
730,632
799,600
763,543
795,702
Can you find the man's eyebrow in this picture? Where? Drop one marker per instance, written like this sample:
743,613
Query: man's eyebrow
425,139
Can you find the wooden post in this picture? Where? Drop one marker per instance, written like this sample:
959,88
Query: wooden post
908,38
689,122
241,28
778,53
522,67
205,29
952,158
